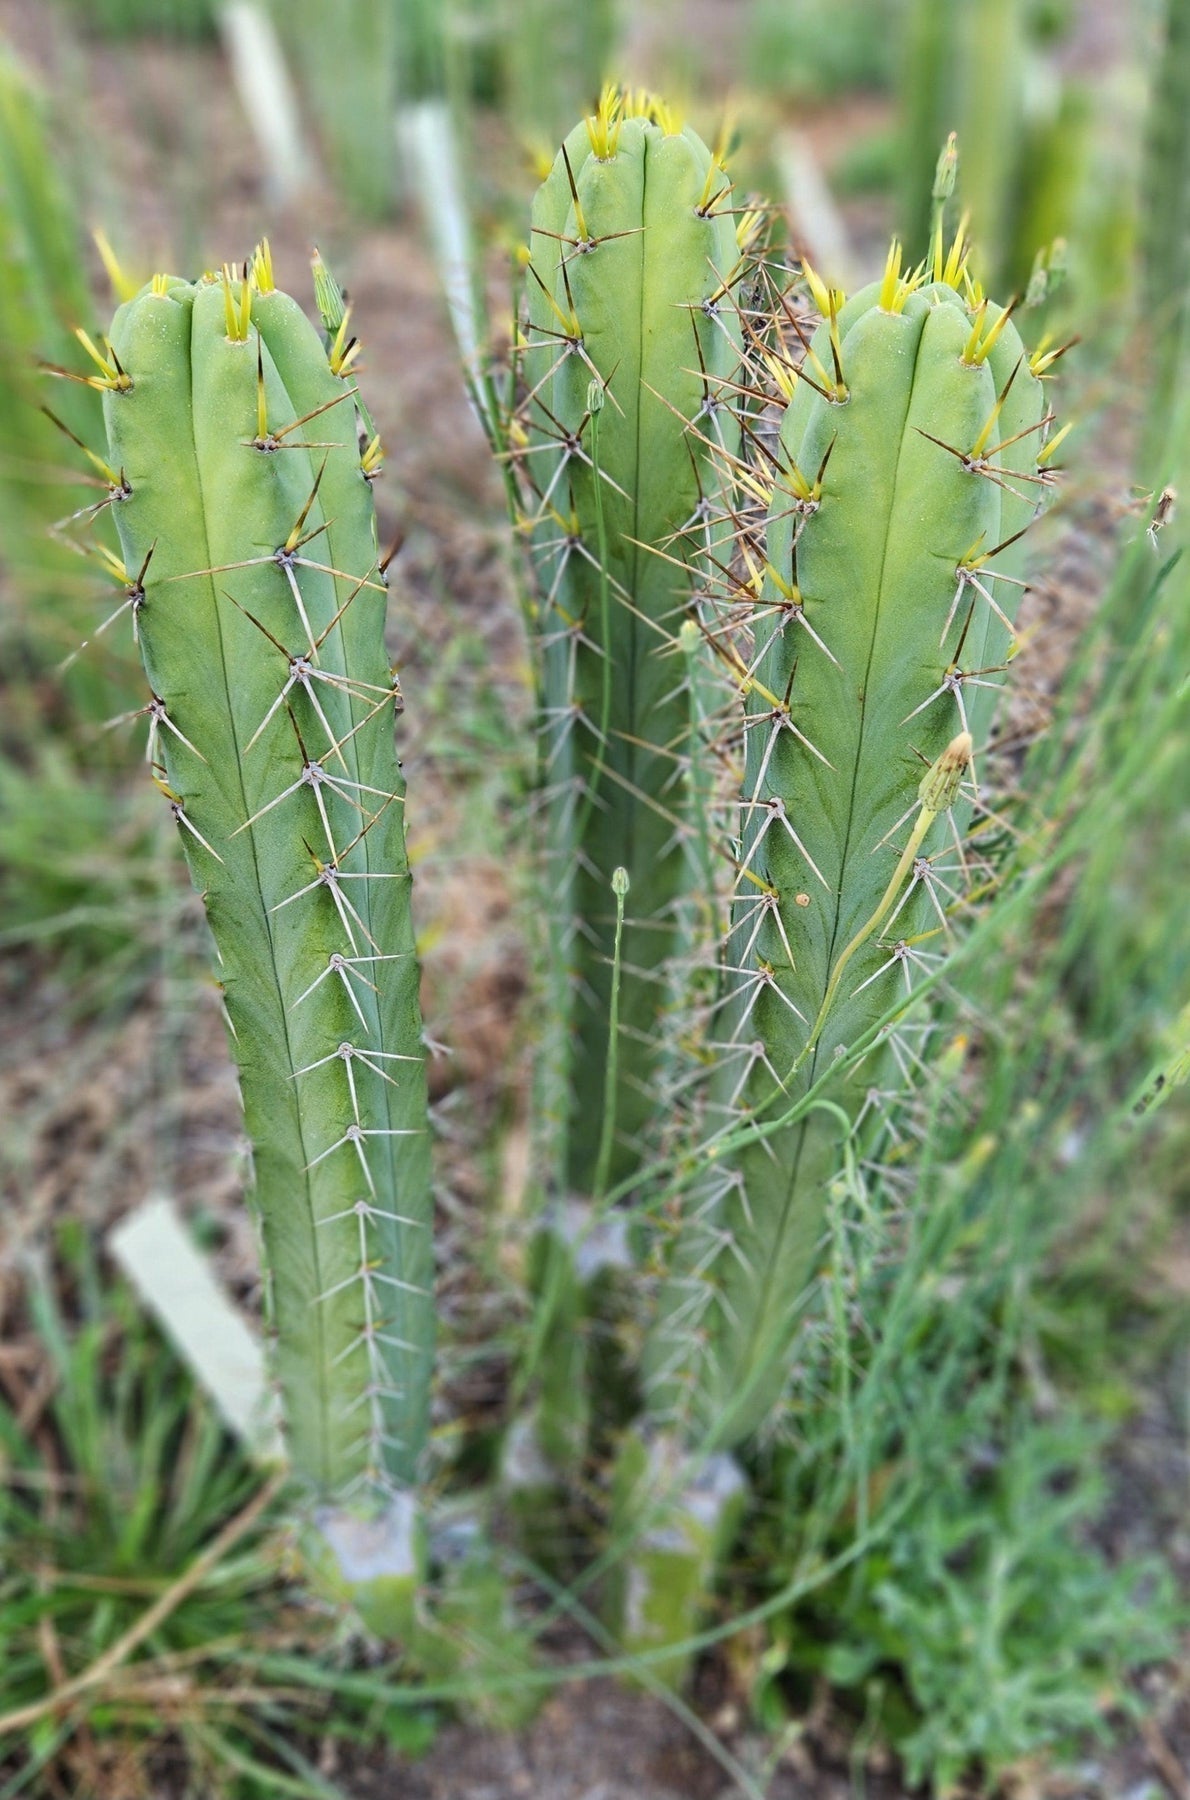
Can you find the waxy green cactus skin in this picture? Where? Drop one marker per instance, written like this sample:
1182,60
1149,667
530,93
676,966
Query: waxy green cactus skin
294,831
631,338
862,646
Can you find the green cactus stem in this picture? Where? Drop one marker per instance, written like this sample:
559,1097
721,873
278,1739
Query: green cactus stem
580,1274
678,1515
248,530
913,454
631,345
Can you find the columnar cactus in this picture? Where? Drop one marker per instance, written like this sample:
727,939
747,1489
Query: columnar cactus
245,514
631,345
913,452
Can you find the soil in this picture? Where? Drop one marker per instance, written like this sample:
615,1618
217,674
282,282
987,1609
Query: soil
105,1115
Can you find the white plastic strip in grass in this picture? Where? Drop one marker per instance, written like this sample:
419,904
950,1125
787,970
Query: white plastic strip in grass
179,1288
819,229
426,140
266,94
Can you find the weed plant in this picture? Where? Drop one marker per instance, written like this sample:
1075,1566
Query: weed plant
88,884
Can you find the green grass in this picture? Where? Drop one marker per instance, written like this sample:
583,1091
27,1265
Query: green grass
152,1624
91,886
990,1629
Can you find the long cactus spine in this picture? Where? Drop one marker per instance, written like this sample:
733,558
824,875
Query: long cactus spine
631,344
912,453
249,526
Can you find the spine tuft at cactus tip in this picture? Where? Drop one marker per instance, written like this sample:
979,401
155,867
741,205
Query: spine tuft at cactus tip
247,524
914,451
630,348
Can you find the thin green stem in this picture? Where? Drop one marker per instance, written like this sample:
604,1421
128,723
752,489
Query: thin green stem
608,1133
925,819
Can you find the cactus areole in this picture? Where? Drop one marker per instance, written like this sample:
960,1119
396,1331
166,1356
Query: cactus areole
248,531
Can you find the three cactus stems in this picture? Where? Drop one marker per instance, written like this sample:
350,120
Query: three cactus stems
854,582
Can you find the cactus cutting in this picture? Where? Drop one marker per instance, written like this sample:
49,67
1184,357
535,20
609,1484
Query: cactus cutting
913,454
248,529
630,352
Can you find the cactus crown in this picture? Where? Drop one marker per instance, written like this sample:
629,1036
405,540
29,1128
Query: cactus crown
616,104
